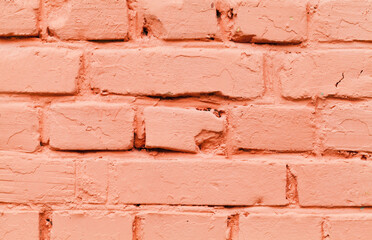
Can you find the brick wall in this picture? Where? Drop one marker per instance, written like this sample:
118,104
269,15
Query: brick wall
187,119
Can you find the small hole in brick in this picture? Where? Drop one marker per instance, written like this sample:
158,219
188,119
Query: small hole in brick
49,221
218,14
230,13
363,157
145,31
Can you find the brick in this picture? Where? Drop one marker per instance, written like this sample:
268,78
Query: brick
342,20
19,127
38,70
92,180
15,225
178,129
87,20
19,18
284,226
280,128
173,72
201,182
348,127
270,25
76,225
334,183
91,126
326,73
350,226
184,226
186,19
35,179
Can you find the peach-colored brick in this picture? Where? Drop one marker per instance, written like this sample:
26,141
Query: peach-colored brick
76,225
342,20
262,21
281,128
348,127
27,179
198,182
19,17
177,128
340,73
286,226
91,126
38,69
184,226
19,225
177,71
19,127
87,20
334,183
186,19
350,226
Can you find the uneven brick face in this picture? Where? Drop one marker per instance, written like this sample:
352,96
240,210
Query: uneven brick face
184,226
177,71
28,179
348,127
334,184
88,19
38,70
185,19
280,128
76,225
19,127
91,126
342,20
339,73
350,226
19,18
197,183
177,128
19,225
286,226
270,25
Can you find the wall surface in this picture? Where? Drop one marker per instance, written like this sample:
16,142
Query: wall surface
186,119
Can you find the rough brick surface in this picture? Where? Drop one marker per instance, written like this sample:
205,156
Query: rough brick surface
178,129
19,18
279,128
342,20
177,71
91,126
19,127
270,25
89,19
19,225
350,226
38,70
76,225
198,182
334,183
348,127
25,179
184,226
286,226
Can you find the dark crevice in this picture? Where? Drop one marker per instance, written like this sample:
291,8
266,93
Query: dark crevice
339,81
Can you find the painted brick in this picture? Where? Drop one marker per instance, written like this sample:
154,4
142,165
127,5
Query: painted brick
38,70
334,183
342,20
88,19
16,225
177,128
198,182
19,127
19,18
326,73
91,126
350,226
184,226
186,19
286,226
280,128
28,179
76,225
177,71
